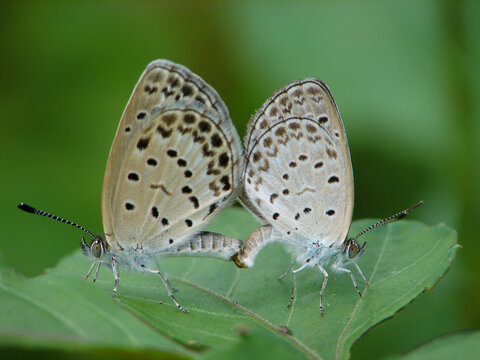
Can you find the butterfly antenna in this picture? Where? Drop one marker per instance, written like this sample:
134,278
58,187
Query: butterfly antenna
30,209
390,219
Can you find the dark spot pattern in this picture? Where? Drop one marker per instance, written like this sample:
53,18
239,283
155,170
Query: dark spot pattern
307,210
297,216
285,176
280,131
200,99
294,126
322,119
197,138
172,153
303,157
223,160
216,140
143,143
194,201
256,156
188,119
141,115
181,162
133,176
204,126
189,222
330,212
331,154
186,90
273,197
292,164
285,192
333,179
155,212
226,183
170,241
275,216
311,129
150,89
129,206
267,142
128,129
169,119
164,132
152,162
186,190
318,165
188,174
165,221
206,151
212,208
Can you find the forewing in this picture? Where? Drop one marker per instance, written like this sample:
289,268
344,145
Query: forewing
174,162
298,172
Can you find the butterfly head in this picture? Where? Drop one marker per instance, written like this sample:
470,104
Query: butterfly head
352,249
97,248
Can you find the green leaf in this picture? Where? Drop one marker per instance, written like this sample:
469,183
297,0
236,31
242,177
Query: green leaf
58,310
455,346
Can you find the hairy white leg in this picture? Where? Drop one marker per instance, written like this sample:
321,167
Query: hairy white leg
280,277
96,272
292,297
115,276
361,274
349,272
167,286
90,270
324,285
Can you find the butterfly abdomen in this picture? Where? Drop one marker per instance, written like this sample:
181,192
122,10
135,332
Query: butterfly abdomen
207,244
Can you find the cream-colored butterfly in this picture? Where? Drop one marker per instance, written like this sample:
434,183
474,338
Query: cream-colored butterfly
174,164
298,180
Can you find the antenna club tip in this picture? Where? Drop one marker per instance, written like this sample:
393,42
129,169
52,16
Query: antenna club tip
25,207
415,205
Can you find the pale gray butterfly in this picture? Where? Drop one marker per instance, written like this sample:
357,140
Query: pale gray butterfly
298,180
174,164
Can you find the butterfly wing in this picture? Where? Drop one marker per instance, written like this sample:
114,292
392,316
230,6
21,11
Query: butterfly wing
174,162
298,173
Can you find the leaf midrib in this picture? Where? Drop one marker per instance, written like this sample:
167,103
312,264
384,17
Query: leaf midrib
264,322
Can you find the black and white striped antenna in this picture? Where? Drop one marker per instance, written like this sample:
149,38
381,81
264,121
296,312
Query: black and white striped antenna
390,219
32,210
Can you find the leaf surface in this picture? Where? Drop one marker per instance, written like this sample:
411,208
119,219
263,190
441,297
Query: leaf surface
58,310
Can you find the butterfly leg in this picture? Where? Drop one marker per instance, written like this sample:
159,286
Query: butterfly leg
115,276
292,297
361,274
349,272
96,272
167,286
173,290
90,270
324,285
280,277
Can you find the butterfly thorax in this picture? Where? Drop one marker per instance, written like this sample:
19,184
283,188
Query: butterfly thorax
319,253
132,258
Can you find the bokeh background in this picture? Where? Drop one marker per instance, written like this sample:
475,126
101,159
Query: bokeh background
405,75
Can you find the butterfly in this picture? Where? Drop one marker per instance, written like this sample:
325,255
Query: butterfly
174,164
298,180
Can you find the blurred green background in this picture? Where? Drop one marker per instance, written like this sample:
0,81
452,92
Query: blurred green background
405,75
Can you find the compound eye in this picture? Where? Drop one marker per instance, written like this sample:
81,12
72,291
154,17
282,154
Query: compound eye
353,250
96,250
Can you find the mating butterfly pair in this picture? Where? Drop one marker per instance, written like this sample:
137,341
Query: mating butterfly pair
176,162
